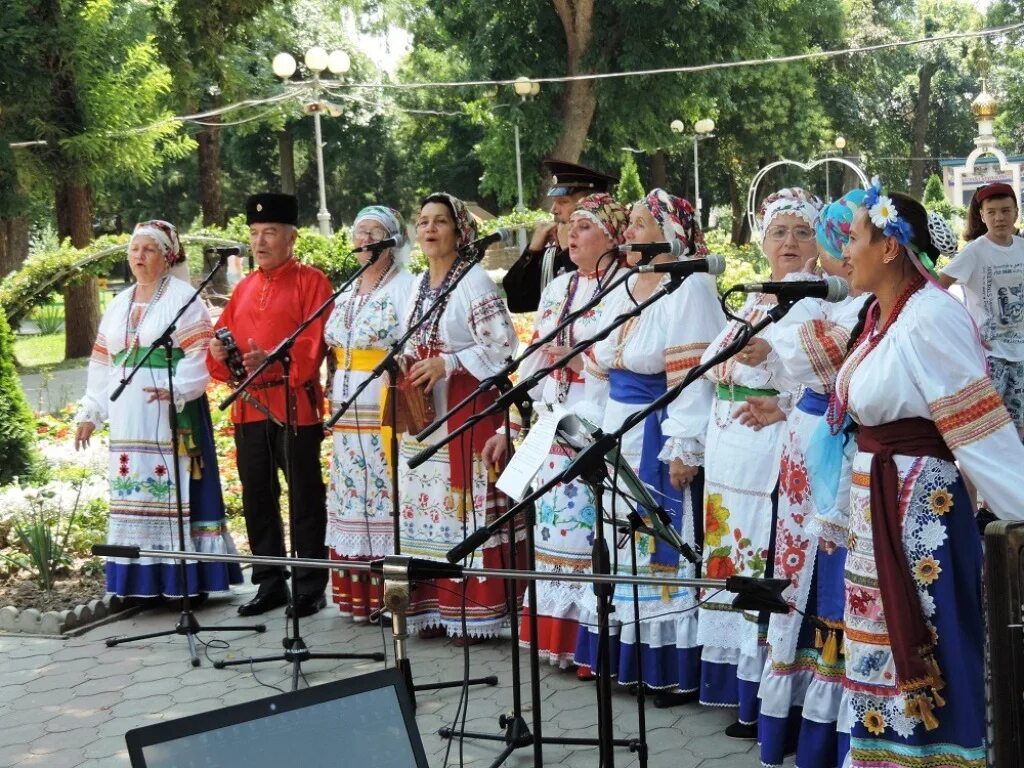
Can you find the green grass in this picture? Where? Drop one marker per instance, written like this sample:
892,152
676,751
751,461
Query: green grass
36,352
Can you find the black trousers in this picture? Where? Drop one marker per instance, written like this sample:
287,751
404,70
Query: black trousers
261,453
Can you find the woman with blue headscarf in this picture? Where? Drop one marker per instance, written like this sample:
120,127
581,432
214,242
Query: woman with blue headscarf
803,676
367,319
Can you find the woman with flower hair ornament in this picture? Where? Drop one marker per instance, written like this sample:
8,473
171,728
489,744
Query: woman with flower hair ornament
742,468
365,322
143,512
448,497
565,517
916,385
628,370
801,690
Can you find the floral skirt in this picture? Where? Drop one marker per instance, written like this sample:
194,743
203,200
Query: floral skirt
943,549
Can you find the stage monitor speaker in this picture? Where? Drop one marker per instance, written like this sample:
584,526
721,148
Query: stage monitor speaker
364,721
1004,589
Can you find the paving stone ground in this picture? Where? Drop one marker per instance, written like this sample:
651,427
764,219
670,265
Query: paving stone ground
67,702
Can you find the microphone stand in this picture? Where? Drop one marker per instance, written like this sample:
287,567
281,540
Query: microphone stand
517,733
522,389
187,624
295,649
390,365
501,379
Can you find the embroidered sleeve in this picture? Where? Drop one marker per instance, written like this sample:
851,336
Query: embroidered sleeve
93,405
823,347
969,415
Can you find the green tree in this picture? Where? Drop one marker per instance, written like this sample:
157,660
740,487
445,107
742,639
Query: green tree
17,433
630,188
85,80
933,191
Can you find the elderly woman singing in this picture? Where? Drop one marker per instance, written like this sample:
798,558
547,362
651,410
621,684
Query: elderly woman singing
468,338
143,511
366,321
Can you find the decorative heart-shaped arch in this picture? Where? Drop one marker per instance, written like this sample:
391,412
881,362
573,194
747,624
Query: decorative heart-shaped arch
759,176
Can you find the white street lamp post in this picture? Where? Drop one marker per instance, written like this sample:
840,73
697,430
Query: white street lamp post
524,87
701,130
840,146
317,60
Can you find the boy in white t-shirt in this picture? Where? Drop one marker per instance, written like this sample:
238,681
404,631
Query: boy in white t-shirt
991,270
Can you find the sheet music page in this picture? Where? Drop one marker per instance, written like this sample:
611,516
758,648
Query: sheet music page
530,456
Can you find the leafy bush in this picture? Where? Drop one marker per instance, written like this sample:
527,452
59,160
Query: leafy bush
49,318
42,536
17,450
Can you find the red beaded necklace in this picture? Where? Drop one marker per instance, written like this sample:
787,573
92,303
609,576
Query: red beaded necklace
837,403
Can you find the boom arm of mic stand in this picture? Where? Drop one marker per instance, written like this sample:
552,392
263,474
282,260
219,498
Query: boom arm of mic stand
497,379
773,315
516,393
399,345
589,457
286,344
222,260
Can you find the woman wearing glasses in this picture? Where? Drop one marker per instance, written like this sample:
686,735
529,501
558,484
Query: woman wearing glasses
365,322
742,471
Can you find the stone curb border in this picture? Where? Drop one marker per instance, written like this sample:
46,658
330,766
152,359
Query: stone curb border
31,621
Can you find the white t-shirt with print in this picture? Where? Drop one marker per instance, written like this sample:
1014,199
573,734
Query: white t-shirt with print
993,280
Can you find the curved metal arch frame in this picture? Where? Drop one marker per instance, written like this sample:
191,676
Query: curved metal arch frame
755,182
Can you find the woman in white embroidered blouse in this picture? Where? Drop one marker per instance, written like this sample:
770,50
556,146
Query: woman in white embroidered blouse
917,387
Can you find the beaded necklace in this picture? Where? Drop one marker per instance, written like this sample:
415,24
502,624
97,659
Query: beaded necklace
566,337
353,309
837,402
131,330
428,340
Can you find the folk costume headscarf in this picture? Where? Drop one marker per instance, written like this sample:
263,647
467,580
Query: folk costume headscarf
791,200
677,219
607,213
835,220
165,236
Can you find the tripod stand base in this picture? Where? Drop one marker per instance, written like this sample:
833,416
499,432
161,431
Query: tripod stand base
517,736
295,652
188,626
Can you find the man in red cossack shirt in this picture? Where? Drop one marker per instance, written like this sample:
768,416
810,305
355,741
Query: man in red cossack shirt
265,307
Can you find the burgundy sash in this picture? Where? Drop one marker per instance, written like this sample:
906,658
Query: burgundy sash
909,636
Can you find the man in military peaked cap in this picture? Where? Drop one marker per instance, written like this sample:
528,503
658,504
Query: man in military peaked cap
548,252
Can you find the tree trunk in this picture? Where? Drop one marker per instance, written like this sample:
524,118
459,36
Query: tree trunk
659,170
81,296
209,173
286,160
13,243
578,99
740,234
919,130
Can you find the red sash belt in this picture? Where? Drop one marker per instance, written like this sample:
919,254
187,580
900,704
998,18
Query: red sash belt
909,636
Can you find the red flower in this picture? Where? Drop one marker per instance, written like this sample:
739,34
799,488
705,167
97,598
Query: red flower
123,471
793,559
721,568
124,458
160,470
794,482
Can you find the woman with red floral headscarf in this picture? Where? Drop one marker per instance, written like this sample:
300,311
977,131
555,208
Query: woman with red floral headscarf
451,495
143,512
634,365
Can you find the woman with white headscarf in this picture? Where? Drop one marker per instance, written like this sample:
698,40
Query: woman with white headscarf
742,471
634,365
143,510
367,319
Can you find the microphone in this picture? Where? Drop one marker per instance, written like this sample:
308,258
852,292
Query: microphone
713,265
653,249
507,237
830,288
380,245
